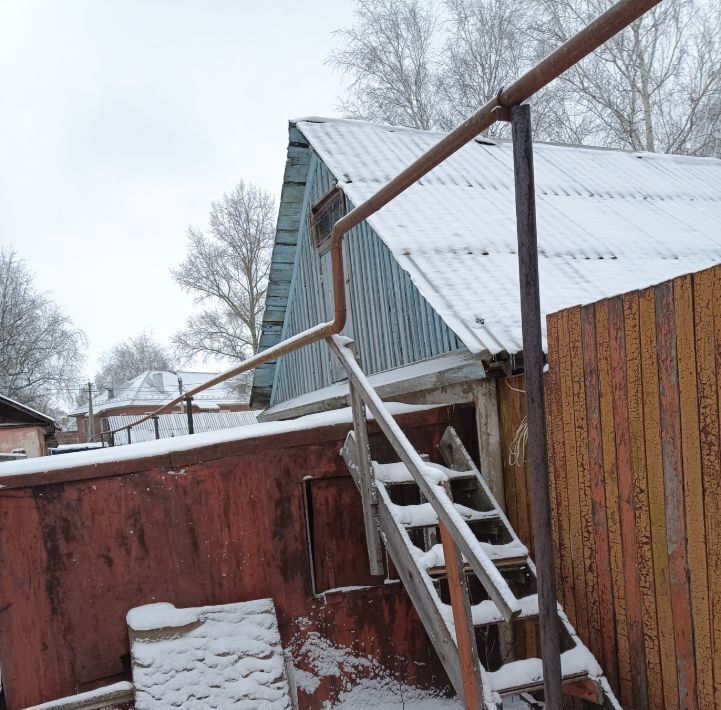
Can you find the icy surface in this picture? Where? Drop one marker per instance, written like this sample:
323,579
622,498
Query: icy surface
608,221
184,443
229,657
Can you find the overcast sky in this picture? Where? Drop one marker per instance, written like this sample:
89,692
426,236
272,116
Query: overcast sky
122,119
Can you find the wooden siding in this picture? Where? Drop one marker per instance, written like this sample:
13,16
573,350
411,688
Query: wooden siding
633,423
393,325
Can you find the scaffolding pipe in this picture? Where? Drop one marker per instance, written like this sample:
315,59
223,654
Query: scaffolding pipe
571,52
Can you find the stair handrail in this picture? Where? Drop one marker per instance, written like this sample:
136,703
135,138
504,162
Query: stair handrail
436,495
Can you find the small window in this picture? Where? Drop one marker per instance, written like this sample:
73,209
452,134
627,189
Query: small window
323,215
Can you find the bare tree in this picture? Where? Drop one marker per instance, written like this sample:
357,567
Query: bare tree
41,350
390,58
130,358
226,270
656,86
484,50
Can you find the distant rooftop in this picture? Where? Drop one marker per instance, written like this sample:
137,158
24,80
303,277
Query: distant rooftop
153,388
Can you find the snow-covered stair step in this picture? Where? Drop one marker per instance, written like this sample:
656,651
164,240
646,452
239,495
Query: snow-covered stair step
397,474
423,515
510,555
486,613
208,657
527,675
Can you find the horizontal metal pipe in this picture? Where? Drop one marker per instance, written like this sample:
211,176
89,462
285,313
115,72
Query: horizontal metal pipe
579,46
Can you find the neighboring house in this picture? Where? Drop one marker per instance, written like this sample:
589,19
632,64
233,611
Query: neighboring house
23,428
152,389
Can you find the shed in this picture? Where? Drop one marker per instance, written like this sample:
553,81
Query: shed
22,427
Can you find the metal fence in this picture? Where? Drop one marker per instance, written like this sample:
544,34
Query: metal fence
165,426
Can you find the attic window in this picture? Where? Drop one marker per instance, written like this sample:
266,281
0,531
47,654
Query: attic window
323,215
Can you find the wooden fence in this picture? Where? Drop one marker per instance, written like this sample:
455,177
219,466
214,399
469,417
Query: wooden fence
632,397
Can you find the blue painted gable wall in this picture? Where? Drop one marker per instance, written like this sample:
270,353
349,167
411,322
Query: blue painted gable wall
392,324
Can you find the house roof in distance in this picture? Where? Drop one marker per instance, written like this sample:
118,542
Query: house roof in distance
608,221
24,413
154,388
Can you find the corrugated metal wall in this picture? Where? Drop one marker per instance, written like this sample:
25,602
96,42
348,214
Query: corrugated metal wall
393,325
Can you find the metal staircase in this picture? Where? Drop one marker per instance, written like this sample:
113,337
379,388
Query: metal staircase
462,564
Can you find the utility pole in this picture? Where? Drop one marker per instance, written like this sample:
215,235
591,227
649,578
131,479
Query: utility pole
91,423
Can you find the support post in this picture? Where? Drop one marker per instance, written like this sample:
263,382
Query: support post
368,492
462,620
189,412
535,409
156,426
130,440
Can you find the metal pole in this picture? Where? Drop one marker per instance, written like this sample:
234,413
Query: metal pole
156,426
535,408
90,433
189,411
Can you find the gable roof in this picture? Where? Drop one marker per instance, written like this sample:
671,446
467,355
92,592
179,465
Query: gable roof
154,387
22,413
608,221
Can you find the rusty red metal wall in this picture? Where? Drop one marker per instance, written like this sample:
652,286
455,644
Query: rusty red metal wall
225,523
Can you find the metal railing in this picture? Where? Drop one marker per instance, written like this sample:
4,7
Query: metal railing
563,58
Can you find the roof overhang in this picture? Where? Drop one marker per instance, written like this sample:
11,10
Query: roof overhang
451,369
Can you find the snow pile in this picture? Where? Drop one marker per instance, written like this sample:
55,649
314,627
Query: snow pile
208,657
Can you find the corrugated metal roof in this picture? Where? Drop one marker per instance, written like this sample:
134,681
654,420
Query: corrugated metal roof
608,221
170,425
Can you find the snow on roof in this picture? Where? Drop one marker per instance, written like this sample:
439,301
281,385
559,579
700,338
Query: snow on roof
208,657
608,221
43,464
154,387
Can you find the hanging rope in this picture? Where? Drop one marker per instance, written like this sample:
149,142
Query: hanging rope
517,450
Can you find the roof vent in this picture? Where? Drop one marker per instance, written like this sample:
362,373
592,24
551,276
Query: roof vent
323,215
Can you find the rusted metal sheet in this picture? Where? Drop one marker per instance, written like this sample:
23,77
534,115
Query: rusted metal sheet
220,524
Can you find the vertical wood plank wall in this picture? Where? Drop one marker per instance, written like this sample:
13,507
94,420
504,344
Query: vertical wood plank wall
632,401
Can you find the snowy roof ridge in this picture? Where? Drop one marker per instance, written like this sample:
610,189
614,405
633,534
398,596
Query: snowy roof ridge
609,221
498,140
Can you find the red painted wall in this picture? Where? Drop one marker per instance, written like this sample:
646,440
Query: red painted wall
221,524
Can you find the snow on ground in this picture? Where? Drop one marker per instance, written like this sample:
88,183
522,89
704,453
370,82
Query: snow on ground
208,657
365,682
